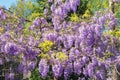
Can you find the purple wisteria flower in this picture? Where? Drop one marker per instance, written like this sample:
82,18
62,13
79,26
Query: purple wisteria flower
31,65
45,11
1,61
11,76
50,0
11,48
100,75
2,15
37,22
116,0
57,69
52,36
22,68
43,68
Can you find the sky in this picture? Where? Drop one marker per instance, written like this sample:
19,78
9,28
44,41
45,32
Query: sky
7,3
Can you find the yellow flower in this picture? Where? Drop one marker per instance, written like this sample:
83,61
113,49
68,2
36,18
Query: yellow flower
46,45
1,29
45,56
34,15
86,14
74,17
60,55
117,33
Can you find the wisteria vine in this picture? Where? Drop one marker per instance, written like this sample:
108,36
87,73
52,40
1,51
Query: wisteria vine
78,50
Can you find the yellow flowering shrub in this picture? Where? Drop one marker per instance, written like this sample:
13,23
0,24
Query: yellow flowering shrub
60,55
34,15
74,17
45,56
46,45
86,14
115,33
1,29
